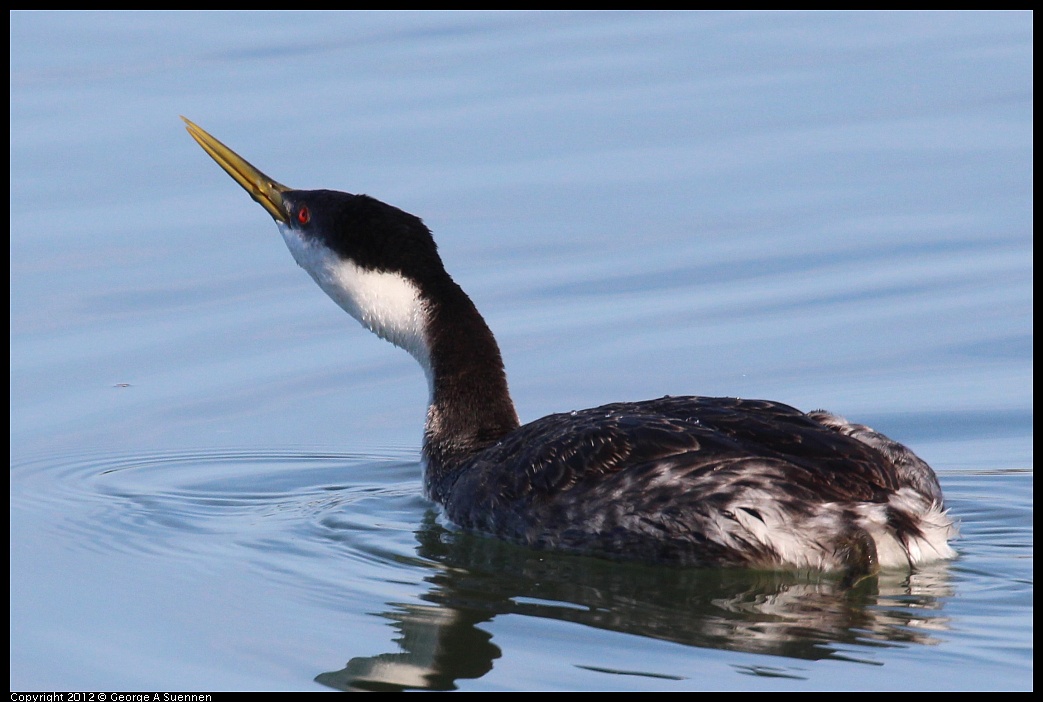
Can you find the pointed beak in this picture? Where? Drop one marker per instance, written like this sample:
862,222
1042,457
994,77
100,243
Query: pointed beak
263,189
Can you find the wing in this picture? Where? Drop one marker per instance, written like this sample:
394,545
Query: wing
689,436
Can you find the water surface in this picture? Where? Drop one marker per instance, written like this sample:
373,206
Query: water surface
214,471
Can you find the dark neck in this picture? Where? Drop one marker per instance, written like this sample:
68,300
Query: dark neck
471,407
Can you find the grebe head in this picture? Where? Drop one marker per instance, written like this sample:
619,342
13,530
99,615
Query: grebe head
370,257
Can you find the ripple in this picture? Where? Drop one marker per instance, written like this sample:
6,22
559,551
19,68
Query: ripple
218,502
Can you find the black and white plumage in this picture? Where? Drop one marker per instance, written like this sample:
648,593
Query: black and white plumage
694,481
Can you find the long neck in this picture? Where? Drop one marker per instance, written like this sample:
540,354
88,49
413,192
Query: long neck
471,406
437,323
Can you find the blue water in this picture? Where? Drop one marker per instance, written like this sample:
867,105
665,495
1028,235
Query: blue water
214,472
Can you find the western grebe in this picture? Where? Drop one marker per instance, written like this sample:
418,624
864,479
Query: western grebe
694,481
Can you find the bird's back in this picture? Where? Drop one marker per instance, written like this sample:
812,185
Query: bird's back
704,481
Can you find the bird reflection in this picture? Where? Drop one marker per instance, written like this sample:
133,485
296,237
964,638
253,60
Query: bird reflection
804,616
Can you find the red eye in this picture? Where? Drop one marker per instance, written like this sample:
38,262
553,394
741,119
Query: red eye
303,215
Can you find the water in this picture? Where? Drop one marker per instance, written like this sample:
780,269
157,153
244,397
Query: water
214,474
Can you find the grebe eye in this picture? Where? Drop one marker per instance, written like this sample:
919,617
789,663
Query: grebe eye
303,215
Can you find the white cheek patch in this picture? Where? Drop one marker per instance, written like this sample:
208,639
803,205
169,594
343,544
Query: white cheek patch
385,303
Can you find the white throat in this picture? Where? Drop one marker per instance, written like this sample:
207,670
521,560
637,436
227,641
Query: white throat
386,303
